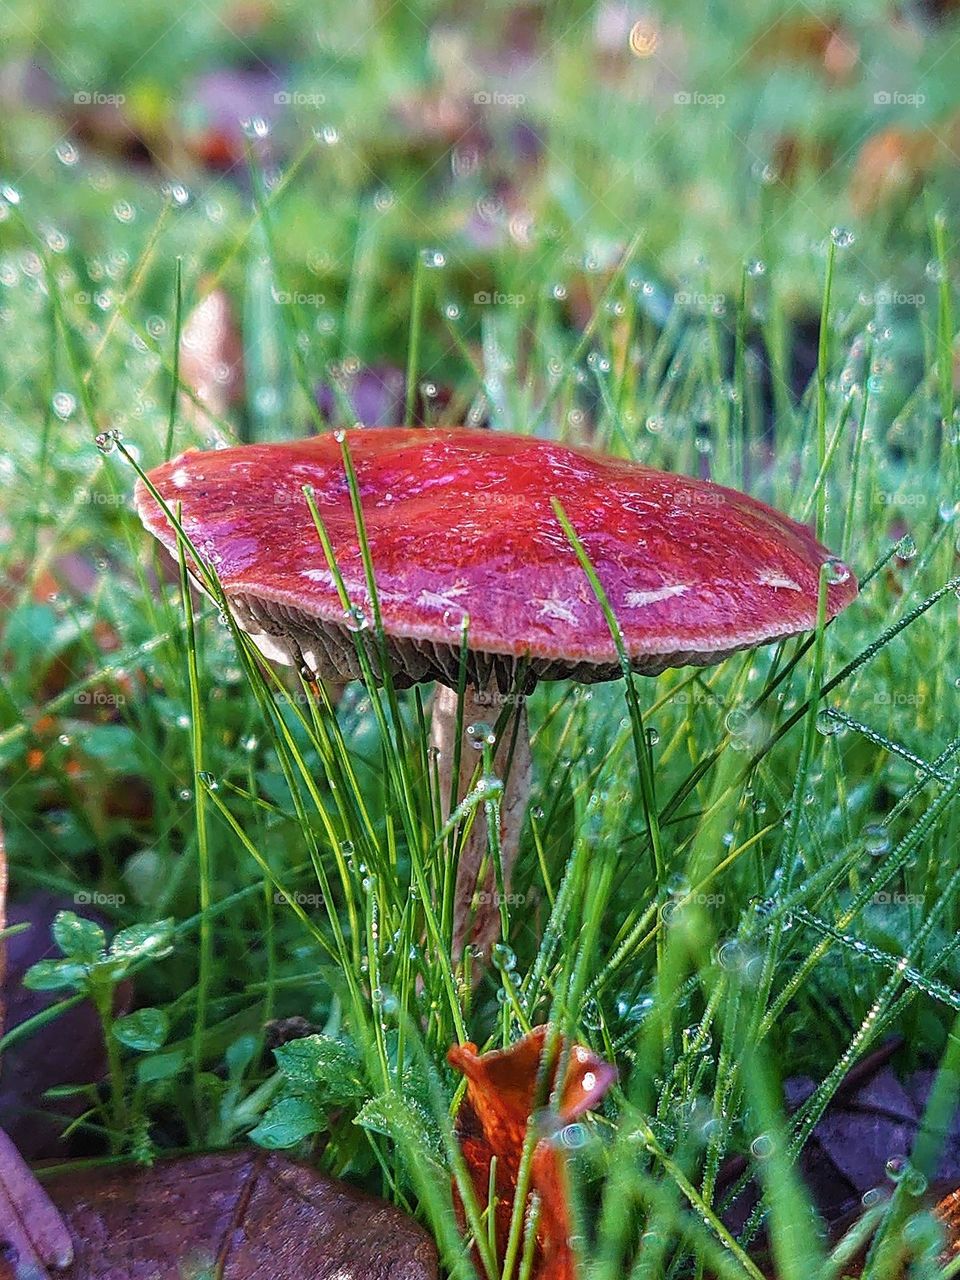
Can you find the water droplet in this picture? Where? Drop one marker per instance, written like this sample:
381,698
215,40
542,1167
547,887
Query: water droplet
209,780
107,441
480,734
355,619
906,548
756,268
934,271
827,723
433,258
653,736
835,571
573,1136
678,886
64,405
503,957
842,237
876,839
255,127
897,1168
761,1148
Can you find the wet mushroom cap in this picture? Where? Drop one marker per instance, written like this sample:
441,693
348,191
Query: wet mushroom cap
460,523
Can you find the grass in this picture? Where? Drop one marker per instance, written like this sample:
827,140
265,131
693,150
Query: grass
727,876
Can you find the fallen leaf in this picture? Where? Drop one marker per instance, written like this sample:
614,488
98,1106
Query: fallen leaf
493,1120
211,361
31,1231
68,1050
242,1214
374,392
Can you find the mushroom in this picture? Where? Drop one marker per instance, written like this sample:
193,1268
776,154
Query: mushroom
463,533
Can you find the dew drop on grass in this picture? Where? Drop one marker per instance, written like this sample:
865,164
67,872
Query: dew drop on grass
209,780
678,886
573,1136
480,734
64,405
255,127
827,723
559,291
876,839
761,1148
355,619
503,957
842,237
906,548
435,259
897,1168
756,268
835,571
107,441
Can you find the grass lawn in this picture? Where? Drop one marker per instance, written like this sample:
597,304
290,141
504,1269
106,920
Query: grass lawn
667,233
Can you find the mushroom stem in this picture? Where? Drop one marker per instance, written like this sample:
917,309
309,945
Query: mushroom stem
515,775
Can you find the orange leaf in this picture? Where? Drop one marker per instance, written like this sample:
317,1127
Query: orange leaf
493,1121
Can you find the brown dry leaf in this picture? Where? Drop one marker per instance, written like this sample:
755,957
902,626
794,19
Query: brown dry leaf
493,1121
238,1215
211,360
32,1235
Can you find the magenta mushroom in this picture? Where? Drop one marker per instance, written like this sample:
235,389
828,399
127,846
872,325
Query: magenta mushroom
461,527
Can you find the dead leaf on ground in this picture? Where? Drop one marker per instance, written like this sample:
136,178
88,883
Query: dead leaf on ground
32,1236
493,1120
244,1215
68,1050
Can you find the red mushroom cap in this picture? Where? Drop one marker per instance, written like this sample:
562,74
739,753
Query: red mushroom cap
460,522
